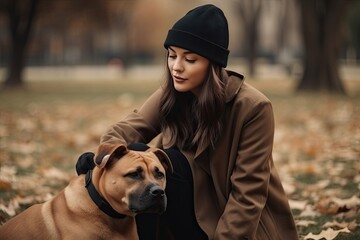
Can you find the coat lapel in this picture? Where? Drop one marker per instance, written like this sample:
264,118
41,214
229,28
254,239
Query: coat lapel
233,85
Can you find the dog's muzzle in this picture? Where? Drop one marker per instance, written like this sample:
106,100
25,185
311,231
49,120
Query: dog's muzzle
150,199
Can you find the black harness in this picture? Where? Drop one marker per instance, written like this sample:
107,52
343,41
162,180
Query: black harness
98,199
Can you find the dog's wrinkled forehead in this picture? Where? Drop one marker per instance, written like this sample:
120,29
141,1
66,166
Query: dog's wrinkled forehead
150,156
118,151
145,156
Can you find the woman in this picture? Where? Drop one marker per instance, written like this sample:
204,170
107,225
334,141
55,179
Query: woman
218,132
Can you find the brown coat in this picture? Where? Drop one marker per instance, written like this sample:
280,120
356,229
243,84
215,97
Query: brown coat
238,193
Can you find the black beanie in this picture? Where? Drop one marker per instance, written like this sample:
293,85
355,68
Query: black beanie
203,30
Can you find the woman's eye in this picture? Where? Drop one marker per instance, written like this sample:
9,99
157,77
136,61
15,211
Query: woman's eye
172,56
190,60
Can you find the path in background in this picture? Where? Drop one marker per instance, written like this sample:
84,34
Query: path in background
153,72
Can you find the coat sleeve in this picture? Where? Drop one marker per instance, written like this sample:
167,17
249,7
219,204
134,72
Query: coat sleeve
139,126
250,176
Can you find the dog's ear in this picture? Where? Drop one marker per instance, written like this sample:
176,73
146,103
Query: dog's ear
107,152
164,159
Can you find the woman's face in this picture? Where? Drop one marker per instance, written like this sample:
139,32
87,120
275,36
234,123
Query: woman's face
188,69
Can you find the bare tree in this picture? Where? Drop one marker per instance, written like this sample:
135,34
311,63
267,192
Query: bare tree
322,34
20,14
250,12
121,15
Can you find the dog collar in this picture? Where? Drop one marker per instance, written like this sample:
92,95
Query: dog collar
98,199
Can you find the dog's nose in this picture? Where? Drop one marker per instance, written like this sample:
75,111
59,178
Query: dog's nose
157,191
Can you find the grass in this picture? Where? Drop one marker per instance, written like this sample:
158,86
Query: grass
45,127
61,92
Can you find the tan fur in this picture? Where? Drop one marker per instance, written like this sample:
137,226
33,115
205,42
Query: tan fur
71,214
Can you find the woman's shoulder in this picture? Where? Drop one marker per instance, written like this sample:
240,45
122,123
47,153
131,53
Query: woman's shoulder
245,92
250,92
153,102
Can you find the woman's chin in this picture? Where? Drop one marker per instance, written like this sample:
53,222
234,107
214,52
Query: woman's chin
181,88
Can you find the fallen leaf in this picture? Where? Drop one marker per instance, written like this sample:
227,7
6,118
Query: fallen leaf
294,204
5,185
305,223
350,225
352,213
11,207
288,188
328,234
55,173
349,202
308,212
337,205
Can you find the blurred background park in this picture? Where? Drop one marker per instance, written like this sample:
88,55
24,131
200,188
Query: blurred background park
69,69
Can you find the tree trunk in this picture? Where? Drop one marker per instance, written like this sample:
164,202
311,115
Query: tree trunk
322,29
20,21
252,44
250,12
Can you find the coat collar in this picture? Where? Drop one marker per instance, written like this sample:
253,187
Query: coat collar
232,87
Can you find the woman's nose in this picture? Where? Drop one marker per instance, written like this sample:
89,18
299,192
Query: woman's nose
178,66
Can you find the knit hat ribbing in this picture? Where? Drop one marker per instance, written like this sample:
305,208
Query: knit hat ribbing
203,30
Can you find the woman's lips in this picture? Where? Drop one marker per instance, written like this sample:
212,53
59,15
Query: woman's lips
179,79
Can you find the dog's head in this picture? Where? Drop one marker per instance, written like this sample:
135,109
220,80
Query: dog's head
133,181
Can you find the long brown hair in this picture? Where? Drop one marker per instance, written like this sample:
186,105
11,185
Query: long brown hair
194,120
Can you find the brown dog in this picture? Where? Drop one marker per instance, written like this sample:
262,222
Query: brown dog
101,204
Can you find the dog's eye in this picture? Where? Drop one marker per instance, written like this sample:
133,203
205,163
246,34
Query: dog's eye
134,175
159,174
